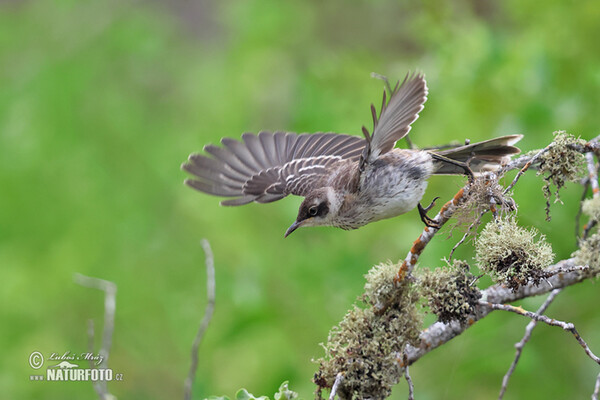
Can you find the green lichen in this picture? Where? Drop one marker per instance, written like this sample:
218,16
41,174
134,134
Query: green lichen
366,346
380,287
511,255
484,193
589,254
561,164
591,207
449,293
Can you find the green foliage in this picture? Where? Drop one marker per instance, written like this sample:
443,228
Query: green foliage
365,347
449,291
284,393
511,254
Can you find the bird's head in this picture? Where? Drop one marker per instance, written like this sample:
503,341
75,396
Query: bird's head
319,208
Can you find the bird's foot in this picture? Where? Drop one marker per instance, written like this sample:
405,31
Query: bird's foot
469,171
429,222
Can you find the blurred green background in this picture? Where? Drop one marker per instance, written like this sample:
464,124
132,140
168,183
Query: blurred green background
100,103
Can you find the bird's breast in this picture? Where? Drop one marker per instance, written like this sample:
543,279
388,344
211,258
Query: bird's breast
392,185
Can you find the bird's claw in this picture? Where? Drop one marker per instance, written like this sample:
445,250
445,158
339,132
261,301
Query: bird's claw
429,222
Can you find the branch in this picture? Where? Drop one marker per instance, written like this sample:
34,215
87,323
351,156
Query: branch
567,326
439,333
562,274
409,382
208,312
527,165
596,389
593,174
592,181
110,305
338,379
521,344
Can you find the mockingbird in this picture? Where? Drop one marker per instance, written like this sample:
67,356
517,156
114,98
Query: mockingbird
346,181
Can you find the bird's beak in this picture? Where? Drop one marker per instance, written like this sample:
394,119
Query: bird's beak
292,228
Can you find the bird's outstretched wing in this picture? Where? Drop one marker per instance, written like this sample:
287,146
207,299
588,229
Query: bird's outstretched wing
396,116
269,166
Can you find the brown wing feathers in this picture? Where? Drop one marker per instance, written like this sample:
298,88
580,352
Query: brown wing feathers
268,166
395,118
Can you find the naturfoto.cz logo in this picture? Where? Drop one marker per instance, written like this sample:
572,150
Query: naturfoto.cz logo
65,368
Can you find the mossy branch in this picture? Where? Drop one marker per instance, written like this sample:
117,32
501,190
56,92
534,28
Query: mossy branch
439,333
369,351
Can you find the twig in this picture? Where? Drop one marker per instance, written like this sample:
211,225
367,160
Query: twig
526,167
587,228
572,268
593,174
593,181
411,387
338,379
208,312
596,389
521,344
567,326
466,235
586,186
110,305
100,386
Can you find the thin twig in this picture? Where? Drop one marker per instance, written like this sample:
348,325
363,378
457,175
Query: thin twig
521,344
596,389
411,387
467,233
338,379
100,386
567,326
208,312
586,186
110,305
593,181
526,167
587,228
593,174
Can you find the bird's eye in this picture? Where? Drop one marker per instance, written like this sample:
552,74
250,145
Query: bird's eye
312,211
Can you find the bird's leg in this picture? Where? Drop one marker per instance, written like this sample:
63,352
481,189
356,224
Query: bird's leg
465,166
429,222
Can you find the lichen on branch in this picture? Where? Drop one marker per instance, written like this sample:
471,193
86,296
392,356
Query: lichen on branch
449,292
589,254
366,353
365,347
511,254
562,163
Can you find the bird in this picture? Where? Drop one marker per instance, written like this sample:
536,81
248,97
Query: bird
347,181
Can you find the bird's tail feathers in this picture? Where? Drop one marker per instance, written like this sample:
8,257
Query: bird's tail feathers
484,156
